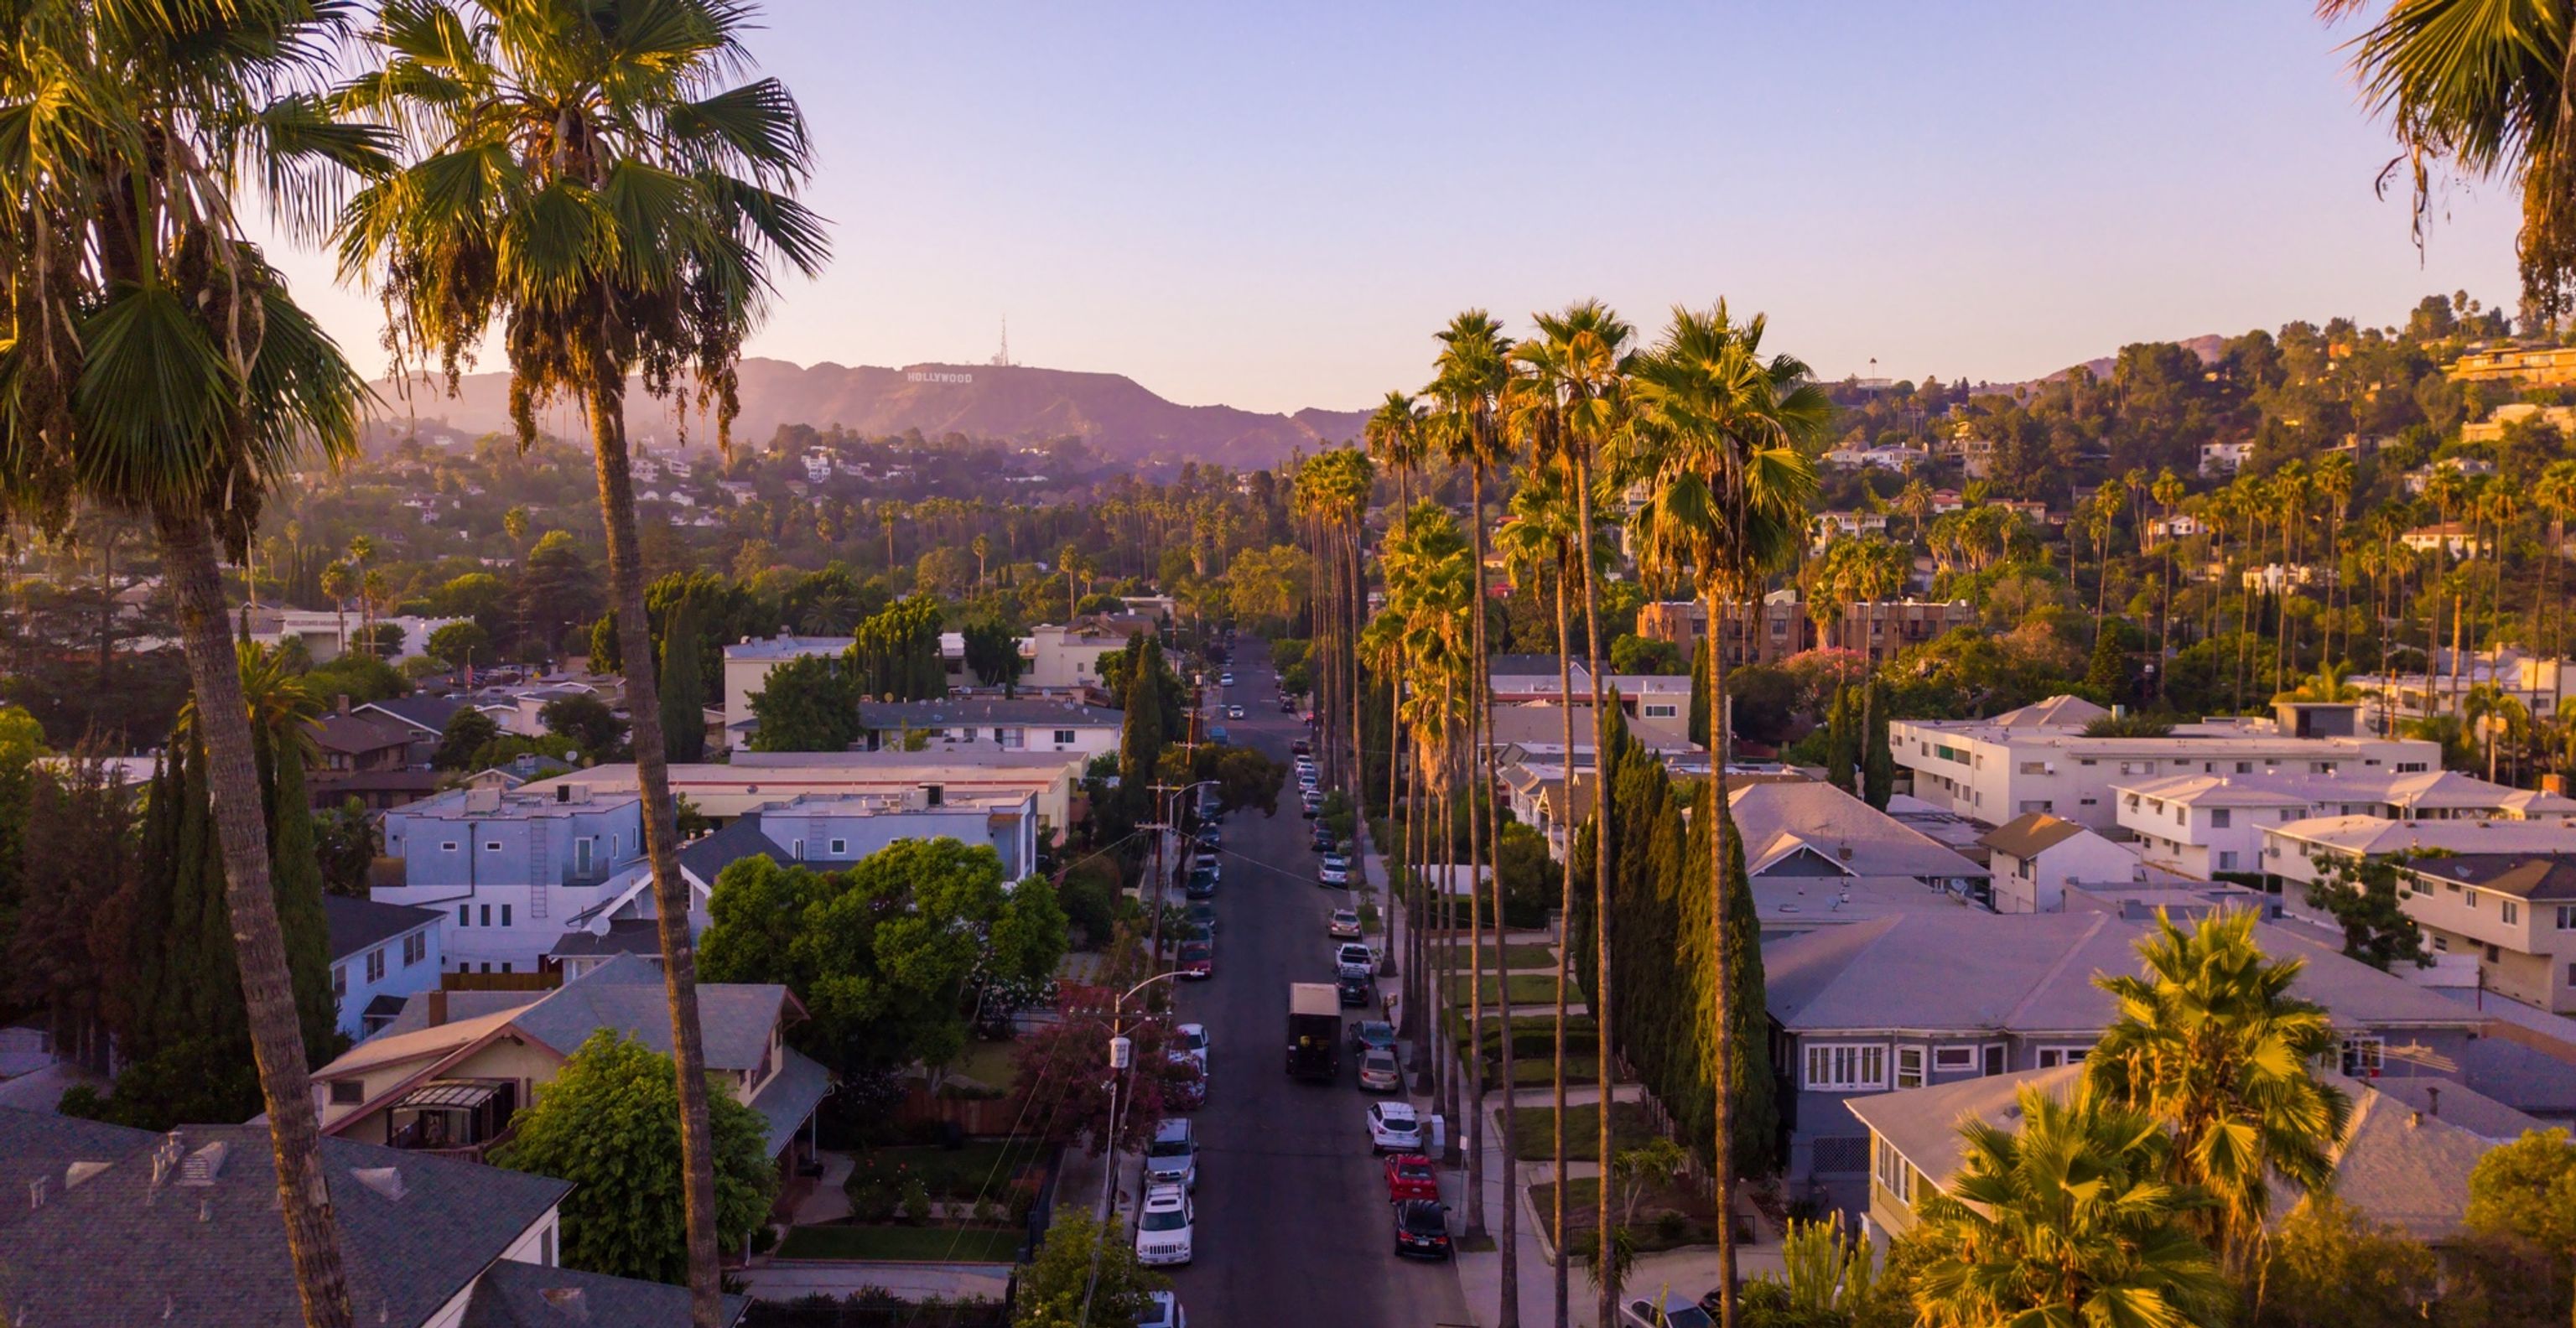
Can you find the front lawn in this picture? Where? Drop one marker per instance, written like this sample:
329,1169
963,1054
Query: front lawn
1528,989
980,1168
1667,1216
992,1064
1540,1071
923,1244
1582,1130
1514,956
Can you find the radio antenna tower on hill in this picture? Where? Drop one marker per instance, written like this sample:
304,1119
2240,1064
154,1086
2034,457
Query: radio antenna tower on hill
1002,357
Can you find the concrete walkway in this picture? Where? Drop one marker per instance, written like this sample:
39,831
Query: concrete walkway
829,1200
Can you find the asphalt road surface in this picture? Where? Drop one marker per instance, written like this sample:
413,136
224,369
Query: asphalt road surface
1293,1222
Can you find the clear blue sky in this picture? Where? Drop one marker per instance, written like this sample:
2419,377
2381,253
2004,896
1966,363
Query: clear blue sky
1274,206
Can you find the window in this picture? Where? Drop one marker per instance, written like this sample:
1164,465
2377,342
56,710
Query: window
487,915
2410,767
2571,975
1909,1067
340,981
2510,910
2218,820
1064,738
546,1246
2360,1056
840,848
2038,805
2182,814
796,849
2226,860
505,915
2052,1057
447,846
465,915
1846,1066
376,964
415,948
1890,1168
581,856
2470,897
2567,917
348,1092
505,965
491,846
2034,767
1661,711
2442,943
1994,1059
934,795
1952,1059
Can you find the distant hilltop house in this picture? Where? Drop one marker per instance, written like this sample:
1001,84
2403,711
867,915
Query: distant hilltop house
2224,458
2491,429
2536,366
1878,628
2454,539
2421,478
1893,457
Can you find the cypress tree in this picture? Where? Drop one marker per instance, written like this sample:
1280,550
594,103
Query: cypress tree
1140,743
136,1013
1839,746
1699,695
684,724
1878,764
297,880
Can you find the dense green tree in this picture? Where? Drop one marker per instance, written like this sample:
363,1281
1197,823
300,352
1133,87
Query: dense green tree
805,705
461,644
359,677
892,955
684,723
610,1123
2366,900
63,947
1085,1273
1877,759
585,720
992,652
466,732
895,654
345,842
2327,1266
1143,731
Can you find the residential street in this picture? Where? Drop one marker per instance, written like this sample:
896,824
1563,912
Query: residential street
1293,1222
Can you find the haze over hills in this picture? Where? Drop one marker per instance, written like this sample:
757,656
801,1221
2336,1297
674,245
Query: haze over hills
1117,416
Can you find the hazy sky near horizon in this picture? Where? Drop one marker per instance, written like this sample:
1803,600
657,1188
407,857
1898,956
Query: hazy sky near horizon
1275,206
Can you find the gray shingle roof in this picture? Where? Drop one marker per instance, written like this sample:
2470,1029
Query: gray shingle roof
2528,875
707,855
422,712
214,1256
527,1295
1781,817
357,924
790,1096
626,994
635,936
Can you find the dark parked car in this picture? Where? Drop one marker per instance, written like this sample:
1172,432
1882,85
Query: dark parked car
1202,885
1198,960
1356,992
1422,1229
1372,1035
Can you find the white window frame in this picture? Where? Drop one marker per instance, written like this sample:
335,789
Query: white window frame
2050,1057
1667,710
2567,917
1890,1169
1968,1058
1911,1065
2510,910
840,848
2365,1053
1845,1067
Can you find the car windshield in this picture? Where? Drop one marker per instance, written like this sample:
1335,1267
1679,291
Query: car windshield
1165,1219
1194,952
1169,1148
1397,1125
1414,1171
1689,1316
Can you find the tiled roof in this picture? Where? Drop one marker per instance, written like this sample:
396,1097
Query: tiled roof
115,1248
357,924
527,1295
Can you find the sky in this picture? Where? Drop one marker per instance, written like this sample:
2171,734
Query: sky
1275,206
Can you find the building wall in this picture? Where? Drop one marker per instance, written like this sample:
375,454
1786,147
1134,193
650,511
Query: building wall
745,675
522,1063
1992,778
349,975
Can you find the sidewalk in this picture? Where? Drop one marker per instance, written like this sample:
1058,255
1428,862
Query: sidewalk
791,1279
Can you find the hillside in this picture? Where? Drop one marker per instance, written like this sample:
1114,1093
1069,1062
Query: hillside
1116,415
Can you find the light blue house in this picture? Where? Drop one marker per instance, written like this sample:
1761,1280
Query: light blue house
381,955
507,867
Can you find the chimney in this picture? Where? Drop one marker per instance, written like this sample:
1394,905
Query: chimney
568,1301
344,703
2433,1099
437,1006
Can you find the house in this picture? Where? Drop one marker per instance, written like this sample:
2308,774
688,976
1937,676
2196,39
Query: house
752,780
446,1075
1818,857
1526,679
380,954
2456,540
2495,899
2399,1164
2203,824
2224,458
2178,525
2478,468
747,664
962,726
122,1226
1063,657
508,866
2539,684
1831,526
2039,759
1878,627
2035,856
2537,365
1932,996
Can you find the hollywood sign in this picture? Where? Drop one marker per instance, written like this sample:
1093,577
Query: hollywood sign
927,376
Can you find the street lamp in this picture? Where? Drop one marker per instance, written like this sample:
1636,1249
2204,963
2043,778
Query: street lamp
1122,1052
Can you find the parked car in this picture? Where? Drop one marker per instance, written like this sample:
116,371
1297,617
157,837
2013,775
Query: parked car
1300,746
1334,871
1679,1311
1163,1230
1204,915
1192,1039
1409,1176
1356,993
1209,836
1218,735
1311,807
1379,1073
1324,841
1173,1157
1198,960
1202,885
1344,924
1354,959
1393,1128
1162,1310
1372,1035
1287,705
1225,681
1234,712
1422,1229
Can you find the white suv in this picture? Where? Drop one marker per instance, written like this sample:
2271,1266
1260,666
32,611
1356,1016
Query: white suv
1163,1229
1354,960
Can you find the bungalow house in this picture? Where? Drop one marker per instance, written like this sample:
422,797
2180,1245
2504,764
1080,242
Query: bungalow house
1820,858
2400,1164
446,1074
1936,996
381,954
2035,856
125,1226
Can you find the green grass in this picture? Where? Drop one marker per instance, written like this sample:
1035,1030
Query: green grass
990,1063
1514,956
1582,1130
949,1173
1539,1072
929,1244
1541,1025
1526,989
1652,1232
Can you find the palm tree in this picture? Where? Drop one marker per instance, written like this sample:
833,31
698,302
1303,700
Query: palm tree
1571,402
2554,493
1429,593
336,583
2068,1223
2167,491
582,173
2211,1046
1728,496
1915,501
361,549
158,368
1395,435
2482,85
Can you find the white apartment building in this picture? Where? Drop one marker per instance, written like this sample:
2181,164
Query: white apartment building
751,780
1060,657
966,726
2035,858
2037,758
2203,823
747,663
2499,894
2541,685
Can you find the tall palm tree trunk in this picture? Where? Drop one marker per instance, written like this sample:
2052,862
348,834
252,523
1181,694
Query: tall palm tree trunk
1722,977
259,946
1564,948
1481,770
1608,1307
1358,695
1463,767
662,848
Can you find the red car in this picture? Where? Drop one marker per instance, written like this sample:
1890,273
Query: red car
1197,960
1409,1176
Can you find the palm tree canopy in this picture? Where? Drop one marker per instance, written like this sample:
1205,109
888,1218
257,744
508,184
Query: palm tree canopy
583,173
